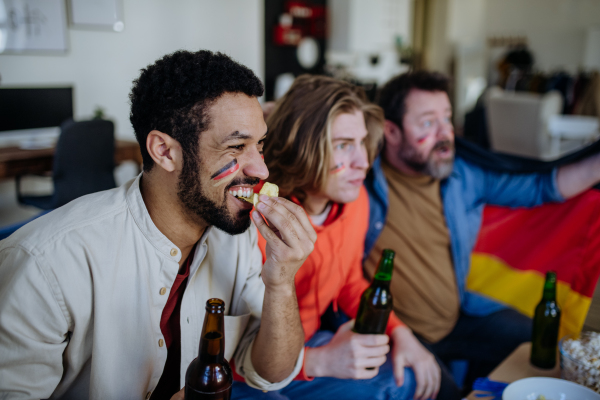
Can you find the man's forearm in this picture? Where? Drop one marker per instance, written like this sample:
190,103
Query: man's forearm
280,337
574,178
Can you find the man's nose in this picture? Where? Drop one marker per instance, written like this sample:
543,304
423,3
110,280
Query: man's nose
445,130
360,158
256,167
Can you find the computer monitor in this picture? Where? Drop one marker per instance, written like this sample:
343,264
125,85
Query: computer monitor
30,108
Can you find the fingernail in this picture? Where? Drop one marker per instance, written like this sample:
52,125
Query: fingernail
261,206
255,215
263,197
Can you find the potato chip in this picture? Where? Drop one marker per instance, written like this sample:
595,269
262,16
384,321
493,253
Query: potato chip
270,189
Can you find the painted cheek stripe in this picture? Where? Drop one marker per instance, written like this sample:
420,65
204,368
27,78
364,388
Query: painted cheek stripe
338,168
227,170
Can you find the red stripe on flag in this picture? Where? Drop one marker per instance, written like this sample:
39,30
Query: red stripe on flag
562,237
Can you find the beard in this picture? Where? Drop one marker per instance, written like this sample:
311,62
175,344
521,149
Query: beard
428,165
197,203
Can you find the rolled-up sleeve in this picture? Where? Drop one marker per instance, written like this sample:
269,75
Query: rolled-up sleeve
253,294
254,380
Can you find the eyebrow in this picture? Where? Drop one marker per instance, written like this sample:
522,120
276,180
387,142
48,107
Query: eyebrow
237,135
427,113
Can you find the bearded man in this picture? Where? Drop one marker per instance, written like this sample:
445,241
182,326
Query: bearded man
104,298
427,206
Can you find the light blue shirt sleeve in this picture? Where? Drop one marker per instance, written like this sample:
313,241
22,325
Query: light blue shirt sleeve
519,190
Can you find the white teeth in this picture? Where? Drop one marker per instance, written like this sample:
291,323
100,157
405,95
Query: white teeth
242,192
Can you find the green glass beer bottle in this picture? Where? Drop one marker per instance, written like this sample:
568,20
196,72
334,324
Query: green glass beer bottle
546,322
209,375
376,301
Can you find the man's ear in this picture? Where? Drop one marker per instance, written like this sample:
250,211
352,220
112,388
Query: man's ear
164,150
392,133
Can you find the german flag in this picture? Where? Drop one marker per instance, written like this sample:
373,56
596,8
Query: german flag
516,247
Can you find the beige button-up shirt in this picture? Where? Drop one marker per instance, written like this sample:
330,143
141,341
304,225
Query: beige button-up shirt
82,291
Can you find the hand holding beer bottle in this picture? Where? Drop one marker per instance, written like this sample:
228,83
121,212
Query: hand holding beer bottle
376,301
209,376
358,349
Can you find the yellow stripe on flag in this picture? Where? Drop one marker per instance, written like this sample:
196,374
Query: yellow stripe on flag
522,290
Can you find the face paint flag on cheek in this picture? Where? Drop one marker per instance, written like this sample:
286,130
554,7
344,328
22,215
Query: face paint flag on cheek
226,173
422,140
337,169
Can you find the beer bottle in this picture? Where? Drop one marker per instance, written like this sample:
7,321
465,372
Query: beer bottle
376,301
209,375
546,322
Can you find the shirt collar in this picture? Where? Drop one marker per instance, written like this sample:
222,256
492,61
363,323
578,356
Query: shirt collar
335,213
142,218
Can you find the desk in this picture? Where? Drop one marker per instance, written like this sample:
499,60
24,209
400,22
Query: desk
15,161
517,366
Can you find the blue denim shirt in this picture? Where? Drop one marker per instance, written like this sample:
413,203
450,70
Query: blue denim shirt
464,194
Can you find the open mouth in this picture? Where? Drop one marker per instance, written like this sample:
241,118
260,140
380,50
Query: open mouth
242,193
444,150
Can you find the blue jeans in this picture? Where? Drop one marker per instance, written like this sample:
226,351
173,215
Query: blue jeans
381,387
483,341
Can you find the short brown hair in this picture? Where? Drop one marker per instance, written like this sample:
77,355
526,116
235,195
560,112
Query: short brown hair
298,149
392,97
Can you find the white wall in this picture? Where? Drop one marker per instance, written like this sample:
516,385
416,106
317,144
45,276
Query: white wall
556,29
101,65
368,25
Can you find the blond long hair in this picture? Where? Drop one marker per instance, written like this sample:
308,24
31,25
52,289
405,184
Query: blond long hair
298,150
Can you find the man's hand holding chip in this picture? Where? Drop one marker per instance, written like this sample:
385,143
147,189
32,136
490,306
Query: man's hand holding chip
290,239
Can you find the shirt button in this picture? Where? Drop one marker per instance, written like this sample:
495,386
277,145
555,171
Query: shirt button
163,291
161,343
378,225
148,395
174,252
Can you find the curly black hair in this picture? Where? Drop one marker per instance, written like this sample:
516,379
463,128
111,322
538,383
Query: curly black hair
173,96
393,95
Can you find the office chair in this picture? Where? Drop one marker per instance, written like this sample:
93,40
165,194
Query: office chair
83,163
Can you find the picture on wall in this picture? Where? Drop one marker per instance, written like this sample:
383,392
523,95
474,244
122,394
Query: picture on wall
97,14
33,26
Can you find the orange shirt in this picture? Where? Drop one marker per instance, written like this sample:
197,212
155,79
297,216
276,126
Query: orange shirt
333,271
